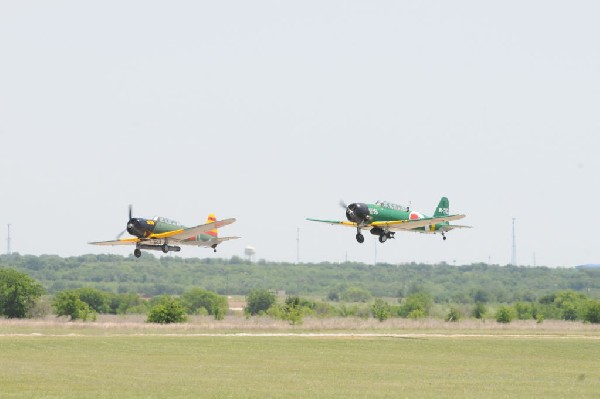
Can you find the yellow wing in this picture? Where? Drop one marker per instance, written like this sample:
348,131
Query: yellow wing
125,241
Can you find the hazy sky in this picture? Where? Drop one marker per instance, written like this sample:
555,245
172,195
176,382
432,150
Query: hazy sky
272,111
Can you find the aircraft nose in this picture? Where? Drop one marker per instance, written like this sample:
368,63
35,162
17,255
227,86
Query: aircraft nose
133,227
357,212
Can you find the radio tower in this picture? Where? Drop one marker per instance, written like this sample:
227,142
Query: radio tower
8,241
513,258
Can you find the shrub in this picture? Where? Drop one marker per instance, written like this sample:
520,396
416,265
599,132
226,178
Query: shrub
591,312
479,310
198,301
67,303
504,314
259,300
292,310
333,296
416,305
380,309
454,315
167,310
523,310
18,293
416,314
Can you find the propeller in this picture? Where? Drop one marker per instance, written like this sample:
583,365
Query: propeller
343,204
130,217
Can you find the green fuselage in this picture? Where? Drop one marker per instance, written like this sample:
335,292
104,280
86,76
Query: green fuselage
383,213
163,226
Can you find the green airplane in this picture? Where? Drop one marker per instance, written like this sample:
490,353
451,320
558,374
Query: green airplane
158,234
383,219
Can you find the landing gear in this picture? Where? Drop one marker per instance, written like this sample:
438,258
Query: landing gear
443,236
137,252
383,237
360,238
214,247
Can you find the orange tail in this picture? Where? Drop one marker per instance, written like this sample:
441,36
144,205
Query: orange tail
212,218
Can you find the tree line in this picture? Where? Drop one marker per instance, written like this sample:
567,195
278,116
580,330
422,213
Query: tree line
170,275
20,297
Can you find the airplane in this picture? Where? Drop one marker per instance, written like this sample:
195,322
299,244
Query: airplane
384,218
159,233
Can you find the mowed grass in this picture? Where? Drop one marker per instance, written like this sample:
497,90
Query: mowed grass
297,366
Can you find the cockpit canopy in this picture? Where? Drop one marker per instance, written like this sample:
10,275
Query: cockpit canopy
390,205
165,220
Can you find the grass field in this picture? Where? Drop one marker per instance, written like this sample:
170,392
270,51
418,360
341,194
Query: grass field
100,360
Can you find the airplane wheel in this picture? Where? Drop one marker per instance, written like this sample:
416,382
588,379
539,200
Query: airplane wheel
360,238
137,253
382,238
165,248
444,238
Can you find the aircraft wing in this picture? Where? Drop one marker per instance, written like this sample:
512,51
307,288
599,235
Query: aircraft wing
395,224
449,227
413,224
124,241
184,234
333,222
209,243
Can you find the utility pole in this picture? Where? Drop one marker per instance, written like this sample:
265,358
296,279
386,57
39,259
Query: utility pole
513,259
8,241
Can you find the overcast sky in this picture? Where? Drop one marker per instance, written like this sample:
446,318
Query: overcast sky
271,112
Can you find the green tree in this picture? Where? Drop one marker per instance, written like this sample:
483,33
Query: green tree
591,312
167,310
480,296
524,310
505,314
67,303
292,310
259,300
196,298
355,294
18,293
99,301
380,309
127,303
416,305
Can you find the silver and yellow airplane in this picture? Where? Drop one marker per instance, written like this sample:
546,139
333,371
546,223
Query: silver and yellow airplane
162,234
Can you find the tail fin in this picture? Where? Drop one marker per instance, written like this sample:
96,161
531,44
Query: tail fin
212,218
443,208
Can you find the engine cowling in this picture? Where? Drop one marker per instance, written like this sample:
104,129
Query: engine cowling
139,227
358,213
